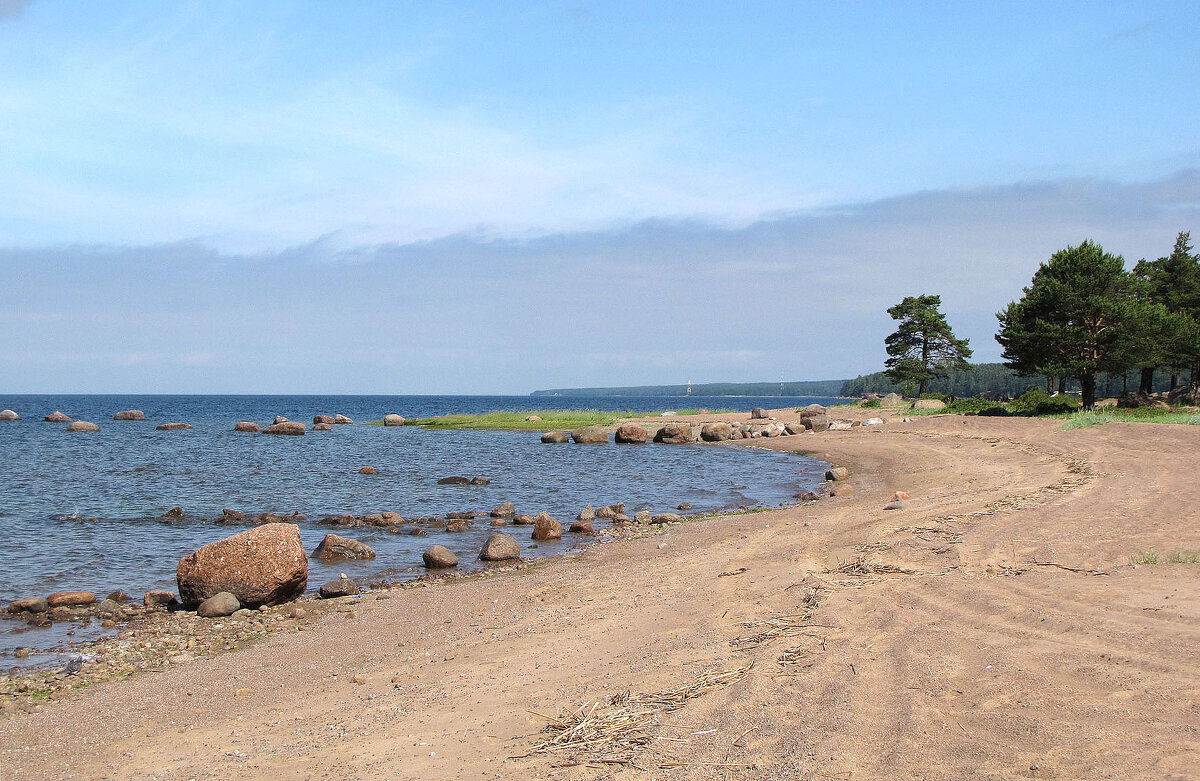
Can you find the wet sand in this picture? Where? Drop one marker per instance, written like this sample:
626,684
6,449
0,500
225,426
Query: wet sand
993,628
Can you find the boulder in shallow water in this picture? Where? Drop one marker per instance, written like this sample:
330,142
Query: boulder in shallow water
172,426
340,419
159,598
454,481
70,599
590,435
336,547
287,428
581,527
392,419
130,414
522,520
322,427
367,470
546,528
174,513
481,480
339,587
29,605
82,425
439,557
586,514
674,434
57,417
7,414
247,426
279,419
500,547
631,434
555,438
265,565
503,510
716,432
322,419
661,518
219,605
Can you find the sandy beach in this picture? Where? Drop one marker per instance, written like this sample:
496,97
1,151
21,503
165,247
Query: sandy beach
992,628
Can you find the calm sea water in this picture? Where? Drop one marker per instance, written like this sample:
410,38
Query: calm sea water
128,474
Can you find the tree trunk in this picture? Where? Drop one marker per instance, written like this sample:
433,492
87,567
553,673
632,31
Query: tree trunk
1049,384
921,388
1087,382
1174,379
1107,384
1147,384
1062,384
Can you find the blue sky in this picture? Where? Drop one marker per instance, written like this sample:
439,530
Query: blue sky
498,197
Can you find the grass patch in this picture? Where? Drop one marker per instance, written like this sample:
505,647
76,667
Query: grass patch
1098,417
696,411
1177,556
516,421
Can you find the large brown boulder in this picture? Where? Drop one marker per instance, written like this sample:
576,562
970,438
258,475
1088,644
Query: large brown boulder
392,419
716,432
500,547
631,434
7,414
503,510
57,417
674,434
265,565
931,404
590,435
70,599
82,425
439,557
247,426
289,427
758,413
891,400
546,528
554,438
130,414
335,547
322,419
340,419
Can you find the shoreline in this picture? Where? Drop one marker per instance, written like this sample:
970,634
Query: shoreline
990,496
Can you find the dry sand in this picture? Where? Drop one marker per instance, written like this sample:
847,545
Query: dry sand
982,659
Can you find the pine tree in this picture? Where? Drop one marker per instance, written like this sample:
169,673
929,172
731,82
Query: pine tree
923,347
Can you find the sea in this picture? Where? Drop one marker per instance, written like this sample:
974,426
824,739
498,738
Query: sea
84,511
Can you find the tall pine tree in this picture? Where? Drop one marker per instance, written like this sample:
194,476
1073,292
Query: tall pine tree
923,347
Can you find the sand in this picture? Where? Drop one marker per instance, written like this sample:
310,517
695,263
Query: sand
1013,638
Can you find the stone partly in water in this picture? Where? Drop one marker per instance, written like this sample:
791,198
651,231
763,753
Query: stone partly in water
130,414
29,605
590,435
503,510
322,427
172,426
546,528
367,470
661,518
279,419
70,599
500,547
454,481
439,557
642,516
555,438
339,587
159,598
522,520
716,432
631,434
322,419
481,480
265,565
611,511
339,420
174,512
392,419
586,514
582,527
57,417
219,605
247,426
287,428
458,527
674,434
336,547
82,425
7,414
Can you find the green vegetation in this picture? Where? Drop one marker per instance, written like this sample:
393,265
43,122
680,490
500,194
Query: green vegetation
980,378
806,388
923,347
696,411
1097,417
1177,556
516,421
1038,402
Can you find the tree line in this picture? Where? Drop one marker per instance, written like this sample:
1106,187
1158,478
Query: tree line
1083,319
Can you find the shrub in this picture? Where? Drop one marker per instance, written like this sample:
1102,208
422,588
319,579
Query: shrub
869,403
1037,402
969,405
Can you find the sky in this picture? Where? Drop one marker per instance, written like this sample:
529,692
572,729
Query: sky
236,197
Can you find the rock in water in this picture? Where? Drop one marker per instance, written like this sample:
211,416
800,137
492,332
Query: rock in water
335,547
322,419
130,414
667,518
367,470
439,557
674,434
590,435
29,605
82,425
70,599
392,419
631,434
586,514
174,512
172,426
57,417
554,438
279,419
500,547
503,510
247,426
218,605
481,480
582,527
159,598
341,587
288,427
322,427
454,481
7,414
716,432
265,565
546,528
340,419
641,516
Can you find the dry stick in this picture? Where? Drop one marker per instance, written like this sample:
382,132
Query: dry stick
1068,569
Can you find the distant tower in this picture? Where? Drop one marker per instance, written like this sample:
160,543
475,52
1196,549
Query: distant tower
780,386
689,387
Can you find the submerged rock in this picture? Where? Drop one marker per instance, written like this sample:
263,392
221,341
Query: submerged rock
367,470
174,512
172,426
247,426
590,435
287,428
555,438
322,427
454,481
265,565
82,425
